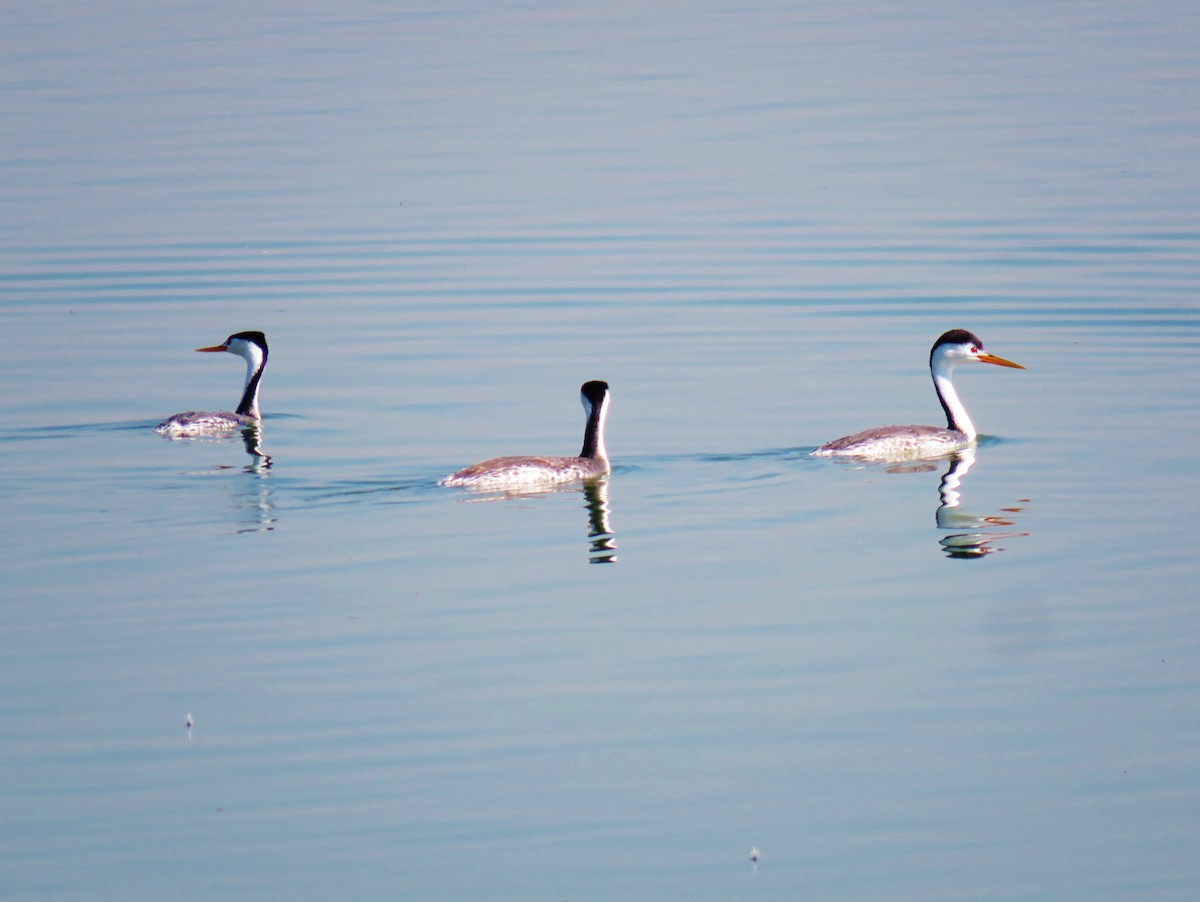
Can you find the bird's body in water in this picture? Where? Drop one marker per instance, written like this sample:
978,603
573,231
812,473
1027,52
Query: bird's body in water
923,442
517,472
251,347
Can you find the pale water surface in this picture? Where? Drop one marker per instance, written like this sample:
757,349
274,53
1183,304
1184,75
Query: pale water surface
962,680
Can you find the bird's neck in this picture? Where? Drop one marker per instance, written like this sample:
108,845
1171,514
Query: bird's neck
956,414
248,407
593,432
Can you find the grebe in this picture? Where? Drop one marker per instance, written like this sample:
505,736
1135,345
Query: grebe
908,442
251,347
517,472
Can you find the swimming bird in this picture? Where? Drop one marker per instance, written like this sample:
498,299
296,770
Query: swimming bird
521,471
251,347
910,442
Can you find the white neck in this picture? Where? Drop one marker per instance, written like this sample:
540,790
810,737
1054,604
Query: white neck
956,414
253,356
251,368
594,430
601,450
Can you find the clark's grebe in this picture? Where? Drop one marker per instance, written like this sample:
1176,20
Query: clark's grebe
517,472
908,442
251,347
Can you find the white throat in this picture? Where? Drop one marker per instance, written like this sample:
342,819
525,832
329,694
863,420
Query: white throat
253,356
956,413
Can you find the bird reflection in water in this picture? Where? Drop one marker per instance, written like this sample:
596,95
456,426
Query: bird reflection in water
973,536
254,496
601,539
602,542
252,439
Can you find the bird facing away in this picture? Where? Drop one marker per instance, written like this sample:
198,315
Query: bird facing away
531,471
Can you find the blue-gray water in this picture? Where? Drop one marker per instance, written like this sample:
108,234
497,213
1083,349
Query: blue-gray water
752,222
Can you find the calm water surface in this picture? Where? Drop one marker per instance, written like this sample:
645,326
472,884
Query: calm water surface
970,679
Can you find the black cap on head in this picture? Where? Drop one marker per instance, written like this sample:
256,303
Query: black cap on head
959,337
594,390
256,337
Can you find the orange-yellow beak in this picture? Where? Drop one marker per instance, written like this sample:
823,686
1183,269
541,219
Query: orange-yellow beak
222,348
983,358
